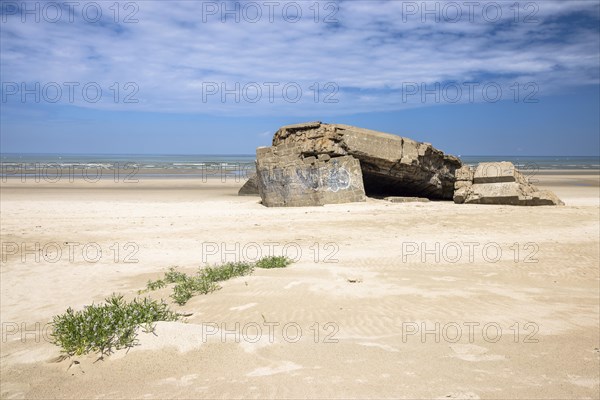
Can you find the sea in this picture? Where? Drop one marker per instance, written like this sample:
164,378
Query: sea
201,165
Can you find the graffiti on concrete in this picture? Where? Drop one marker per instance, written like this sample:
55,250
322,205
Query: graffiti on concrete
338,178
309,177
331,178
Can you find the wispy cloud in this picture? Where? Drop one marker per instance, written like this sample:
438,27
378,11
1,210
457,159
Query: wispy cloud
354,56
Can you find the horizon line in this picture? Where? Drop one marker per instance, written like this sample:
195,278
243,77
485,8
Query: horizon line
253,154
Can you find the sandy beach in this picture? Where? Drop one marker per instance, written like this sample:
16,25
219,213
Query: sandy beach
300,200
384,300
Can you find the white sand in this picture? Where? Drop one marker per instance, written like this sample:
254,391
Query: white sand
361,300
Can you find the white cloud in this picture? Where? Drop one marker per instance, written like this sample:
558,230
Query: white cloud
174,57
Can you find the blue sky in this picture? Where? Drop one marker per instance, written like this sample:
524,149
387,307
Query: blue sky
192,77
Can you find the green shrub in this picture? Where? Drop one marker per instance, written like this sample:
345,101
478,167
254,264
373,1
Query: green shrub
226,271
104,327
112,325
205,280
155,285
273,262
174,276
186,288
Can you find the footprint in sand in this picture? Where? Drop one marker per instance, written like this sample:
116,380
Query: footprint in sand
292,284
379,345
185,380
584,382
460,395
284,366
471,352
243,307
445,278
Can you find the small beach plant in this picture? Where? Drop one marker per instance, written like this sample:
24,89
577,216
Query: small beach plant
273,262
206,279
112,325
104,327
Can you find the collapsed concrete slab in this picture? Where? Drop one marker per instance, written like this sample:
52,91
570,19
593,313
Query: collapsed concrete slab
250,188
288,178
390,165
315,163
396,199
499,183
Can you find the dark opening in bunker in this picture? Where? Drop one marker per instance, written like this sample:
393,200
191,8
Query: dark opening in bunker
404,182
